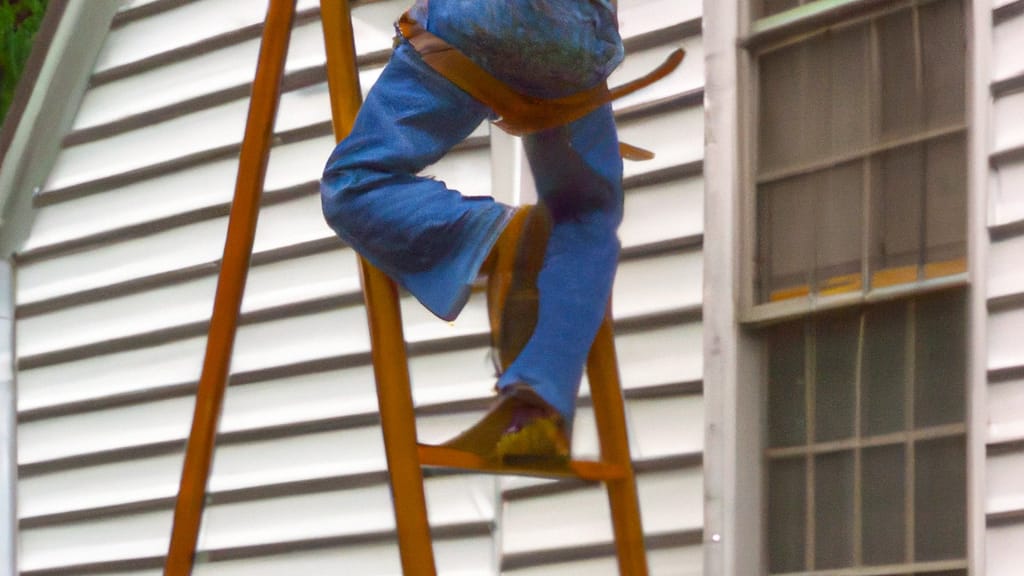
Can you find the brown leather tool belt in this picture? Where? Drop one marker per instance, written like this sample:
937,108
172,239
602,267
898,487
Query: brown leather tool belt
519,113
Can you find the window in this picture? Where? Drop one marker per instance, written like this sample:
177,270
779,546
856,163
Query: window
857,243
866,438
861,153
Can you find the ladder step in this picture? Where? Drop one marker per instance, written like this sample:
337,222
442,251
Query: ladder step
442,456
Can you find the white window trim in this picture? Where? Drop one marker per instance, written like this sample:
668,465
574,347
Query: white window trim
979,105
733,534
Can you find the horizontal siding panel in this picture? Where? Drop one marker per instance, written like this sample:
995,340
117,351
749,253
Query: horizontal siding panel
676,137
202,131
186,79
89,487
1003,549
178,248
638,17
1007,198
1004,488
682,561
454,556
1006,411
460,556
1008,121
649,358
651,285
1007,46
663,212
662,427
688,77
1004,329
301,279
281,224
451,500
1005,272
105,430
302,442
189,24
670,501
201,186
306,337
117,317
665,355
225,68
115,538
111,374
293,518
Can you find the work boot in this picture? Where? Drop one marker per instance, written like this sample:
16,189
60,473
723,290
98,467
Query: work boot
521,428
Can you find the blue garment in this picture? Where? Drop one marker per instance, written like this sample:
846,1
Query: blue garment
431,239
544,48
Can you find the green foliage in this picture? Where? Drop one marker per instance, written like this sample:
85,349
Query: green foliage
19,20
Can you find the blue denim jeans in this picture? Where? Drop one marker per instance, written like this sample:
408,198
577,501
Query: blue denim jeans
432,240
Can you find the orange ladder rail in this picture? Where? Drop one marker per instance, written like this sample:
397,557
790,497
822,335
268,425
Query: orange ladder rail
387,343
241,233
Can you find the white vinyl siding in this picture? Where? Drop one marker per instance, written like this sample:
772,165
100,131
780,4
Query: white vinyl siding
115,285
1004,491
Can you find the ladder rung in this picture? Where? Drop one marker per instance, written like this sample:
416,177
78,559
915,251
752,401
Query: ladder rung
431,455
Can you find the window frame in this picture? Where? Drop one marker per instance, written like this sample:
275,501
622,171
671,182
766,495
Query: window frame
752,36
788,27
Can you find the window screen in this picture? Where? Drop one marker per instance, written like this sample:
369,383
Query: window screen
861,153
866,439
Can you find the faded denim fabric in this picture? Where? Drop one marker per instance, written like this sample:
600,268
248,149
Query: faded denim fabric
544,48
431,239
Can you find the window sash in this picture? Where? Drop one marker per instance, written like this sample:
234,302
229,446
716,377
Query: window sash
929,273
914,330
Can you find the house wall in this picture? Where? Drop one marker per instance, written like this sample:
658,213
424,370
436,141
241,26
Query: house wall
115,283
1004,498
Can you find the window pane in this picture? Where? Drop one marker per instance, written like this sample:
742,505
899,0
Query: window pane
883,531
896,236
883,379
787,514
839,215
940,500
787,387
814,99
946,206
944,45
782,102
835,376
835,100
849,122
940,356
787,249
816,108
900,102
833,510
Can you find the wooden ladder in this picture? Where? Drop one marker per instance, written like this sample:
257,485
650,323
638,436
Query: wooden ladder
405,456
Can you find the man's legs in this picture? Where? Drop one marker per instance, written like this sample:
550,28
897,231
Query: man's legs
430,239
579,177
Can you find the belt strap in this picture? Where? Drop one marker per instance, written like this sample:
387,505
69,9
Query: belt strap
518,113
